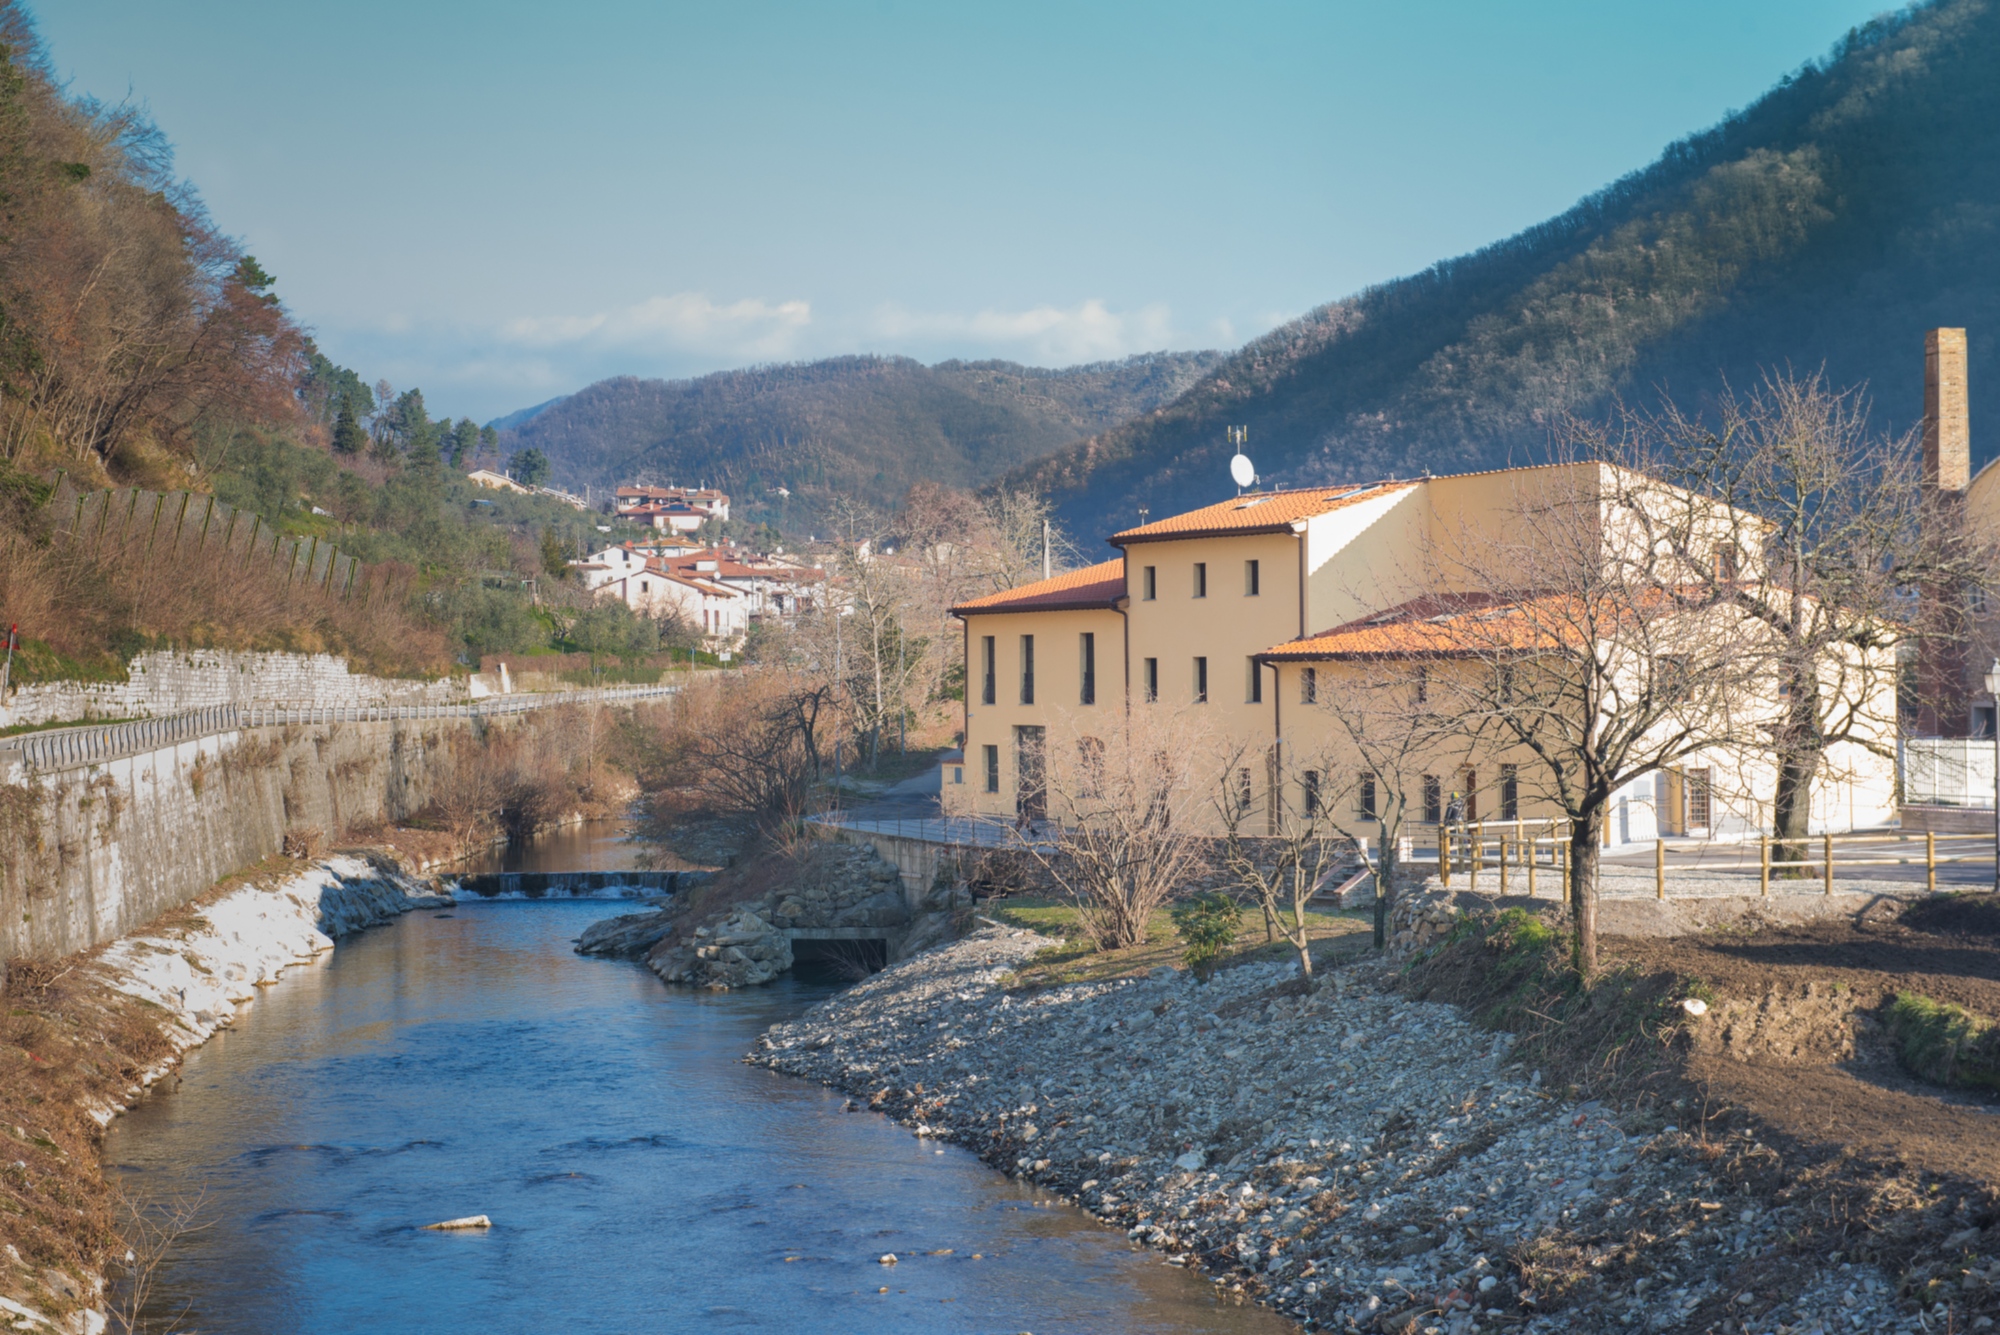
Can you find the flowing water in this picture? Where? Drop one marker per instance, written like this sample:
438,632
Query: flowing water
639,1177
592,845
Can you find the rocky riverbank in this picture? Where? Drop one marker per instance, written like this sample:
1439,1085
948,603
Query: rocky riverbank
1356,1160
94,1033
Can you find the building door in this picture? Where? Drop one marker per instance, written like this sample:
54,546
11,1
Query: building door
1468,786
1031,785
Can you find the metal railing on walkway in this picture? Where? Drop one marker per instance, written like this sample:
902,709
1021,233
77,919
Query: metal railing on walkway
963,831
94,744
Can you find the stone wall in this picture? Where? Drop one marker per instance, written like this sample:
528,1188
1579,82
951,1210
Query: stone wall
88,855
163,682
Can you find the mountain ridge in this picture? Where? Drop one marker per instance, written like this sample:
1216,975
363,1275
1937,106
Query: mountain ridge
1827,224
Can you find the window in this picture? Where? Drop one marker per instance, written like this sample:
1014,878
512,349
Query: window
1982,720
1245,795
1433,799
1201,579
1506,683
1308,686
643,586
1250,579
1201,681
1423,686
1365,791
1672,673
1031,787
1090,765
1152,679
1256,695
1698,800
1027,669
1469,786
1510,792
1309,781
958,774
992,769
988,692
1149,585
1727,561
1088,646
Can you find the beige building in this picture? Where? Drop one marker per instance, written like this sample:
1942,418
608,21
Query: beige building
1243,615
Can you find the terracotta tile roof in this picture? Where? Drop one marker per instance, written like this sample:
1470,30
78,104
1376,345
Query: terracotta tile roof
1259,512
1093,586
1438,626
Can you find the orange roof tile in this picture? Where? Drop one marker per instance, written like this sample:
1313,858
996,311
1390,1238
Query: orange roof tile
1093,586
1438,626
1259,512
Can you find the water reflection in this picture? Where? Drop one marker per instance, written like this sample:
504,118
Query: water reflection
639,1176
593,845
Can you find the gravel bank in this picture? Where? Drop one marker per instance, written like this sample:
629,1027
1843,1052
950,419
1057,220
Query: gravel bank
1354,1159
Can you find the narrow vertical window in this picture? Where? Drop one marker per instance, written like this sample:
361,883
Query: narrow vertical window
1433,800
1088,647
1699,803
1256,695
1423,685
992,769
1510,792
1201,579
1310,782
1245,795
1365,790
989,691
1149,585
1309,686
1250,579
1201,681
1152,679
1027,669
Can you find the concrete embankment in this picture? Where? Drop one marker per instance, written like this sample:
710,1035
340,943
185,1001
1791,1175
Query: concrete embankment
1355,1159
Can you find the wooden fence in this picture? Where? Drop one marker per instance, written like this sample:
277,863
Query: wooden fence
1514,852
168,521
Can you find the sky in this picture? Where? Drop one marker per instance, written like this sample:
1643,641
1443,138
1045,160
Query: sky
502,202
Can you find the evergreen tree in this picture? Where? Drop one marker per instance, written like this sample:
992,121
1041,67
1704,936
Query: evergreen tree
347,437
464,442
530,467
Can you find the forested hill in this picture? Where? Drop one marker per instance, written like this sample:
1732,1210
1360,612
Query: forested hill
857,426
1853,206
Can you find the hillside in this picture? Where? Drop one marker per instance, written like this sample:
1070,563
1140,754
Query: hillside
1854,205
859,426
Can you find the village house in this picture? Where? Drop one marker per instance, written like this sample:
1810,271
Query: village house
670,509
492,481
1244,615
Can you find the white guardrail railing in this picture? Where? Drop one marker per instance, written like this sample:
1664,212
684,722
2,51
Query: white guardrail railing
95,743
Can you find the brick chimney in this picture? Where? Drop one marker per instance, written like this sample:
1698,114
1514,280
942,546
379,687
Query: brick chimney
1941,704
1947,427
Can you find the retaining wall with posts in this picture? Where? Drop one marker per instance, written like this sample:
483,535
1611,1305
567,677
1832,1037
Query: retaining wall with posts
106,827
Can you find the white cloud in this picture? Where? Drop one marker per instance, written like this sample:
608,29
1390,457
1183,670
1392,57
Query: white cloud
685,321
1044,335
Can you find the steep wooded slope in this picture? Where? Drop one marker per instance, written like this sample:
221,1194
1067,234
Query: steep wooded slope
1830,223
860,426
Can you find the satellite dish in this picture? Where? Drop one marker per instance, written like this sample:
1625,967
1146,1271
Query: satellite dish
1241,469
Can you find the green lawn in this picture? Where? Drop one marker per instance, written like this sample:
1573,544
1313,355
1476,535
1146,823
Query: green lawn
1078,960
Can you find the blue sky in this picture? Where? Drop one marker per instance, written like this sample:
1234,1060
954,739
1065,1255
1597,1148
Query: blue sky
501,202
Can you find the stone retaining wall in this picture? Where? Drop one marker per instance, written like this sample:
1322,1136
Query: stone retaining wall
88,855
166,681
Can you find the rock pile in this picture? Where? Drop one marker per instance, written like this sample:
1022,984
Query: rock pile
630,934
1355,1159
1422,917
742,950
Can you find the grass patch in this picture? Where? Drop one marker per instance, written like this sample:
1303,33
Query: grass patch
1944,1044
1077,958
1612,1036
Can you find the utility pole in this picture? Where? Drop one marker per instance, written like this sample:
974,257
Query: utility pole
1045,549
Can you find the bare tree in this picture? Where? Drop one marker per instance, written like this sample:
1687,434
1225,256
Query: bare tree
1601,659
1825,529
1123,809
1381,714
1285,867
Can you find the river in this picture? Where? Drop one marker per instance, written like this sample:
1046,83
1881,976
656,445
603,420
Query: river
638,1175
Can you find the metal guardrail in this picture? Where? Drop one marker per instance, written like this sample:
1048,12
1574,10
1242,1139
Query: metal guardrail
93,744
961,831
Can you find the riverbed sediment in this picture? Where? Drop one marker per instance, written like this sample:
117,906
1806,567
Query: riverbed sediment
1355,1159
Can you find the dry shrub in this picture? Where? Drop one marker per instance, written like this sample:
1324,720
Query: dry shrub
739,744
137,591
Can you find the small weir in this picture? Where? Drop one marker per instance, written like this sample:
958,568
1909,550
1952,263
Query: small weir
578,884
